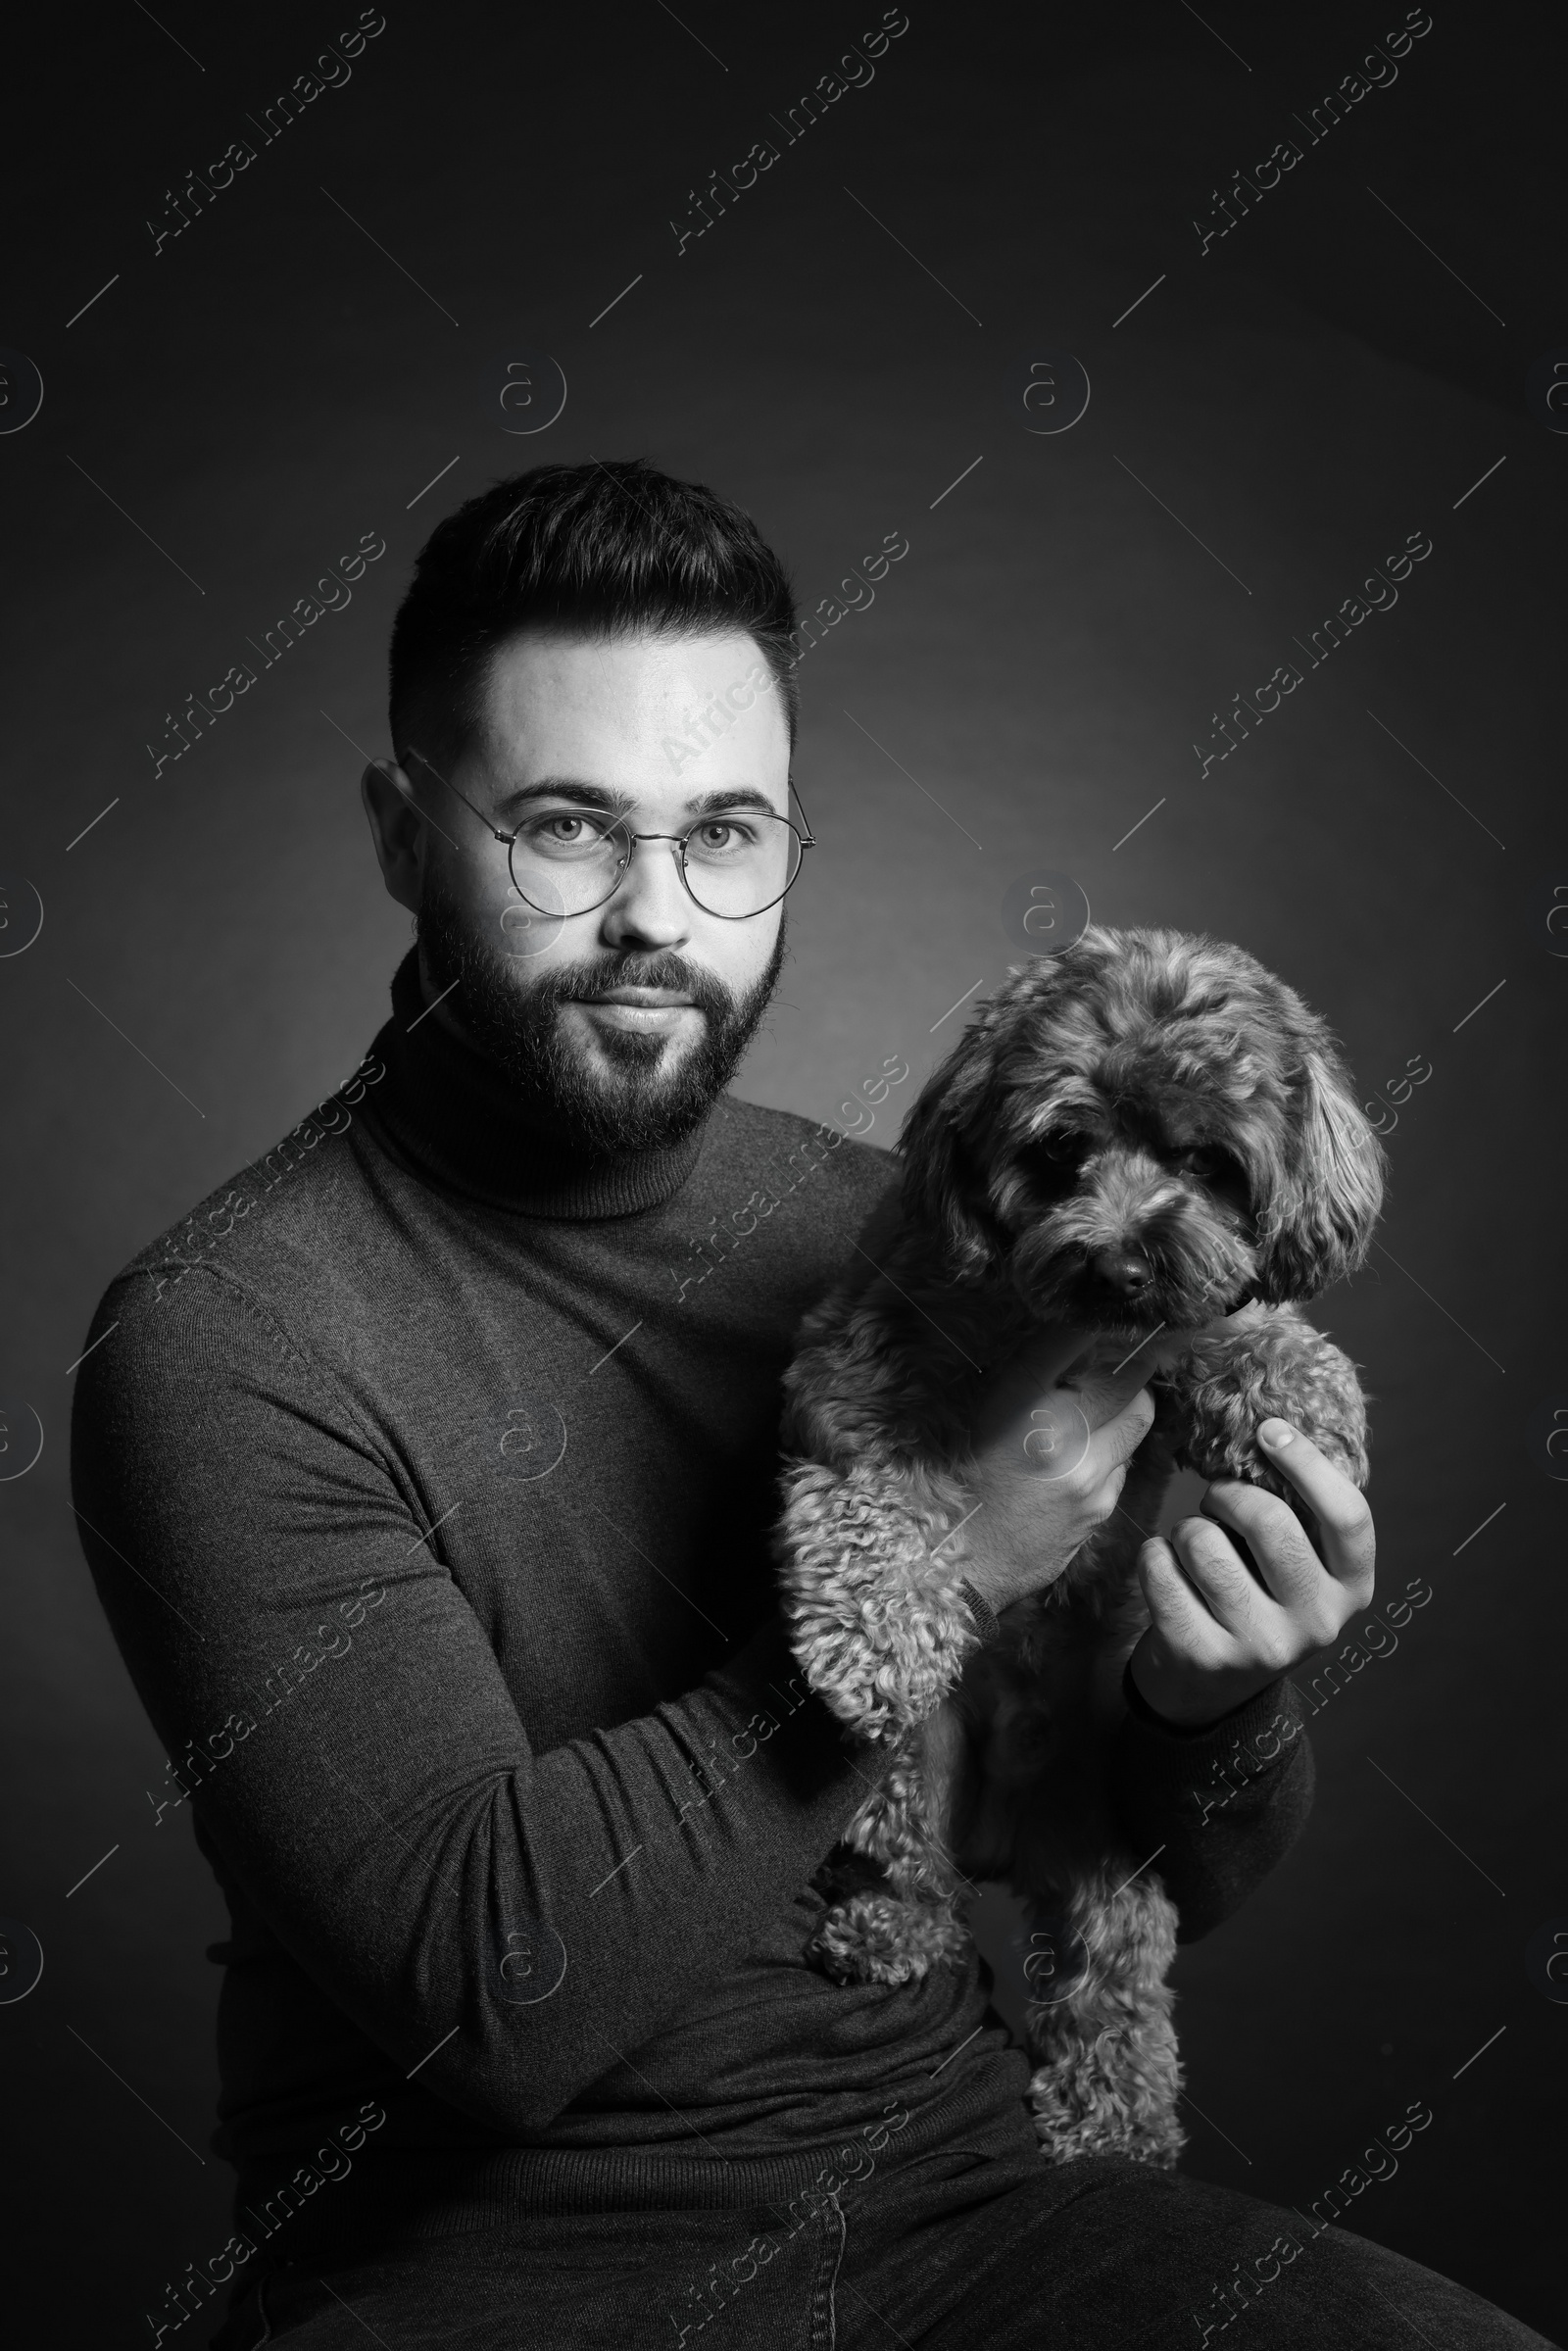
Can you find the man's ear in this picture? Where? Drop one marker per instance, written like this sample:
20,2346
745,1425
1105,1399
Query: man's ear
396,827
1319,1226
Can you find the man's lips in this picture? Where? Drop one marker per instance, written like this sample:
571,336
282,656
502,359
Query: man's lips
657,997
655,1011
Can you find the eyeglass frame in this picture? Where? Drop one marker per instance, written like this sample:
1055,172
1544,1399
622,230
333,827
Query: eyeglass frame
808,840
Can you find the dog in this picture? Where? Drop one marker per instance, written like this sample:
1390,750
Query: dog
1149,1139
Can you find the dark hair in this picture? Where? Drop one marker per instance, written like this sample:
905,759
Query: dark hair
598,550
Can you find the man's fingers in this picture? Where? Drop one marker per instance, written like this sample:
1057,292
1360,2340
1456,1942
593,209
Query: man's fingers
1283,1554
1114,1442
1341,1511
1179,1615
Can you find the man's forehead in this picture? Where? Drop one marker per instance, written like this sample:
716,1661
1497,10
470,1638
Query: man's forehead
689,713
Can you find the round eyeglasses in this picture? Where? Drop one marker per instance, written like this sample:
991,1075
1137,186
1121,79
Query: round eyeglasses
735,861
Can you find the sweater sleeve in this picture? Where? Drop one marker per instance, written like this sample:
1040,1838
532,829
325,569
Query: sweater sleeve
512,1924
1214,1809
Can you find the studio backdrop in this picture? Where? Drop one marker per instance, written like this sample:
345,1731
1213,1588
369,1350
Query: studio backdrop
1163,419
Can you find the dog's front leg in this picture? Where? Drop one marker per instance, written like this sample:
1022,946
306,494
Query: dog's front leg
882,1631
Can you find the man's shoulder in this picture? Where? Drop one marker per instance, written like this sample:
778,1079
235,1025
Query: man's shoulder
282,1205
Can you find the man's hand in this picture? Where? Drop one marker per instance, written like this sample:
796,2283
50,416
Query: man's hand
1221,1632
1050,1464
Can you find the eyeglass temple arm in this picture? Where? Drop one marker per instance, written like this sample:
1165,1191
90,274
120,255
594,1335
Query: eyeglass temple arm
807,838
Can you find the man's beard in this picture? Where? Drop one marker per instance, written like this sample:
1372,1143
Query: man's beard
515,1022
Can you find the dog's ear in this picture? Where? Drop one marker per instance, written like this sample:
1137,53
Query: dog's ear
1319,1225
942,1152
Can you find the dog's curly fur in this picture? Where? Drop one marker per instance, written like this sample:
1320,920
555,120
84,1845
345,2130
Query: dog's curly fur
1146,1131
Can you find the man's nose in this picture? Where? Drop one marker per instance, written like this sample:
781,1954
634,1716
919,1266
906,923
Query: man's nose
1123,1270
651,902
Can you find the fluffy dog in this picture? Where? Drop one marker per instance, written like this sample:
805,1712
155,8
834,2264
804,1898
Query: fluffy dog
1151,1138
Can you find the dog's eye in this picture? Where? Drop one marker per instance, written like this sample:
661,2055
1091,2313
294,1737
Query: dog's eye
1214,1170
1054,1159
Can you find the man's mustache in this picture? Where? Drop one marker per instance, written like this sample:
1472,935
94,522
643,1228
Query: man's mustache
590,983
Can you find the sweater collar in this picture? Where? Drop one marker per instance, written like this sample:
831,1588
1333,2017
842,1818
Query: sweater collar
455,1116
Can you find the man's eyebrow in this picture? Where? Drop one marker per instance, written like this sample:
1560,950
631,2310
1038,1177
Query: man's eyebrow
620,803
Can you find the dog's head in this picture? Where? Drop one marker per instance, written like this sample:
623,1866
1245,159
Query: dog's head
1148,1128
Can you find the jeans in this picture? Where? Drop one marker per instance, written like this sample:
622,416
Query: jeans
951,2235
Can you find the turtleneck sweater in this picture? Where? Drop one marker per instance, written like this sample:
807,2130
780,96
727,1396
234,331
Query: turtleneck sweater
426,1472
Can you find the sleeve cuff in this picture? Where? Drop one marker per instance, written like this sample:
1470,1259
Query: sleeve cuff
986,1622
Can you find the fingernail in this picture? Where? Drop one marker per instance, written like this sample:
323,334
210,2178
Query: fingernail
1276,1434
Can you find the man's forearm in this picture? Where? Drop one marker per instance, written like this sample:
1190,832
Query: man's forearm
1213,1809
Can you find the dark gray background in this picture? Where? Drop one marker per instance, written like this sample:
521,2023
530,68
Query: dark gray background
215,951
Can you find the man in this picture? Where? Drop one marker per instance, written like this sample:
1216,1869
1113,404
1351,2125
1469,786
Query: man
426,1478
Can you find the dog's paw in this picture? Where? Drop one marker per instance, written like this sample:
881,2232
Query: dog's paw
1114,2095
875,1939
881,1630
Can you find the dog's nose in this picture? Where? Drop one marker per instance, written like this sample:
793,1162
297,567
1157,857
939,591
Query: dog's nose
1123,1272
